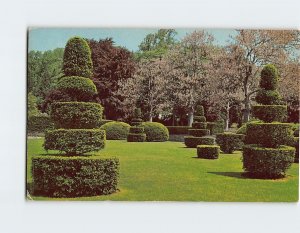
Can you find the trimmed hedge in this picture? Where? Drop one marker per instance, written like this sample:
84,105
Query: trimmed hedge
269,77
199,132
208,151
156,132
193,142
269,134
199,119
199,110
199,125
39,123
136,130
104,121
178,129
268,97
58,176
78,88
261,162
75,141
76,115
136,137
270,113
215,127
77,59
116,130
136,121
229,142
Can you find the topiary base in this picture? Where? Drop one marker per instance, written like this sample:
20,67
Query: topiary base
198,132
272,163
57,176
193,142
208,151
136,137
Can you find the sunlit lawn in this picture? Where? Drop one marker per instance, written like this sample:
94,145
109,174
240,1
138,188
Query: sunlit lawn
167,171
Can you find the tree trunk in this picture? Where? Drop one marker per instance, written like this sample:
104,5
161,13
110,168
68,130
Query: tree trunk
246,113
190,117
227,117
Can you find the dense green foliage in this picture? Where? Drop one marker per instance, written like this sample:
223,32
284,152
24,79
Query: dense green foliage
156,132
269,77
116,130
52,97
199,132
208,151
199,111
229,142
57,176
75,141
77,58
136,137
264,162
269,113
199,119
268,97
78,88
178,129
136,130
199,125
193,142
32,109
269,134
76,115
215,127
39,123
297,149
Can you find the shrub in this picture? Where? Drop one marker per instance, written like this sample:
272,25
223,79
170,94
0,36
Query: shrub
199,110
296,133
116,130
263,162
229,142
199,119
199,125
75,141
76,115
52,97
137,113
242,129
156,132
39,123
193,142
269,134
103,121
77,58
136,137
268,97
178,129
58,176
215,127
269,77
78,88
136,121
198,132
270,113
297,149
208,151
136,130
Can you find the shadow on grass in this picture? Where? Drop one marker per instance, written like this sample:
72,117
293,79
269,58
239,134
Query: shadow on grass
239,175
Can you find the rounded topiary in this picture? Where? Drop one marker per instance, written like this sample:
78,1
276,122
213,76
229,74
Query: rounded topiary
208,151
269,113
229,142
261,162
156,132
116,130
193,142
268,97
76,115
78,88
136,137
199,110
77,58
269,77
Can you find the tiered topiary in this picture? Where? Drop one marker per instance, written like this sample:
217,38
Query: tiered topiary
198,134
77,133
229,142
267,154
136,131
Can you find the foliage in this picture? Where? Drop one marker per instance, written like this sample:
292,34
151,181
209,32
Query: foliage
136,137
297,149
199,119
136,130
32,109
57,176
54,96
199,125
116,130
268,97
39,123
78,88
77,58
178,129
75,141
229,142
215,127
269,77
193,142
208,151
261,162
242,129
198,132
76,115
156,132
269,113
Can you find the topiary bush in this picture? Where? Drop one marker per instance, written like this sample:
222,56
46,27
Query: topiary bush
199,125
39,123
268,97
116,130
269,113
199,119
208,151
198,132
136,130
136,137
156,132
76,115
269,77
75,141
264,162
229,142
78,88
77,59
57,176
193,142
215,127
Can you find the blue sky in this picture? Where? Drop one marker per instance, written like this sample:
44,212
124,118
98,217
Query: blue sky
43,39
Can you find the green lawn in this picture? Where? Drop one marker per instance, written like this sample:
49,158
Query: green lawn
154,171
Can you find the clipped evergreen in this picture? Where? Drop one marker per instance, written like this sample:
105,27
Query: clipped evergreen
136,131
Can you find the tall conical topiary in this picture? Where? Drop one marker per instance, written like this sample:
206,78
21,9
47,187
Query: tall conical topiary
77,133
266,153
136,131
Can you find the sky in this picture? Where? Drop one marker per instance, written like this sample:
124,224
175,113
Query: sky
43,39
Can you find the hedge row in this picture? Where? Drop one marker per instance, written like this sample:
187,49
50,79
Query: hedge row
193,142
199,132
208,151
75,141
57,176
39,123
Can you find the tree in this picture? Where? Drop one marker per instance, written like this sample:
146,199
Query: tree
77,58
32,105
112,65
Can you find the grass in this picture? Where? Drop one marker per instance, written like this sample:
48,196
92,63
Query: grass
167,171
